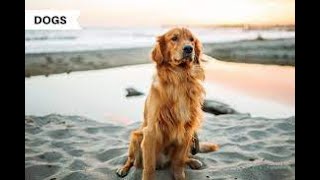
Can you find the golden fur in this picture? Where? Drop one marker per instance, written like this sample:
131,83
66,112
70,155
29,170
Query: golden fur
172,112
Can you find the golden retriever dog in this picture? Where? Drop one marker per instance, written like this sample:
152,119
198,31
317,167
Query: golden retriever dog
173,109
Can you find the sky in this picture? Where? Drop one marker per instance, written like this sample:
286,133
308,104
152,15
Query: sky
173,12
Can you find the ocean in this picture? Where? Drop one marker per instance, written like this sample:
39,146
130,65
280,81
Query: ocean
46,41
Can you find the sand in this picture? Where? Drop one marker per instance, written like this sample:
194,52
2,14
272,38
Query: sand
75,148
279,52
66,62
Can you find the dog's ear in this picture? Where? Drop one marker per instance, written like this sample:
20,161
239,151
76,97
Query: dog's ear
198,51
157,52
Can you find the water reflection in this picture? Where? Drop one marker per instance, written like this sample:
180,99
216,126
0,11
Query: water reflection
100,95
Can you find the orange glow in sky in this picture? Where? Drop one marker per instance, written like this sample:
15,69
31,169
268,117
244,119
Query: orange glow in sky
159,12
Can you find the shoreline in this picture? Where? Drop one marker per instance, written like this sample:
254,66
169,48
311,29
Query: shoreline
101,86
66,62
255,51
144,47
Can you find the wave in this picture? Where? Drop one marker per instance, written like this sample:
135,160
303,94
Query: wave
42,38
119,38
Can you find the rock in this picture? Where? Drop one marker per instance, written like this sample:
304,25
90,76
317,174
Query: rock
217,108
260,38
133,92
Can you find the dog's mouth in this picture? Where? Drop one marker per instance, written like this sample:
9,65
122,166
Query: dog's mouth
187,59
183,59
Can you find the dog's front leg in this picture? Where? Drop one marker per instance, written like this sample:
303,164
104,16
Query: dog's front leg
179,158
148,147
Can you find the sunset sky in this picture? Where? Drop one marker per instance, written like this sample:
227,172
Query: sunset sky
159,12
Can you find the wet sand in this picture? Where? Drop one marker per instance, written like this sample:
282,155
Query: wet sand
259,51
279,52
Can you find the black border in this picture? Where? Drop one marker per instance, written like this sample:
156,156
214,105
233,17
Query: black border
306,89
12,87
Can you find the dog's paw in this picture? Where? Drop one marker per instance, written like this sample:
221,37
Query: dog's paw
122,172
195,164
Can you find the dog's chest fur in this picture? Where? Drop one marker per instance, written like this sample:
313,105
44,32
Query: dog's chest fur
179,101
180,109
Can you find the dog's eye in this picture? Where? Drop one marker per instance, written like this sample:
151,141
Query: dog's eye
175,38
191,39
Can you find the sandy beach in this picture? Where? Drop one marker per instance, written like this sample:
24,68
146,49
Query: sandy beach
73,147
277,52
260,51
66,62
78,122
89,70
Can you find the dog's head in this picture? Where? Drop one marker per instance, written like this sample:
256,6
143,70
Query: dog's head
177,47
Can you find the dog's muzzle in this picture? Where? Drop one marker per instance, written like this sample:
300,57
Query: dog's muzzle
187,52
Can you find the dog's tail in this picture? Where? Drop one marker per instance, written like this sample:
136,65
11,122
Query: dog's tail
205,147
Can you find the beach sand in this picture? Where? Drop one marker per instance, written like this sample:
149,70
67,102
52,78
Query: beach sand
279,52
75,148
66,62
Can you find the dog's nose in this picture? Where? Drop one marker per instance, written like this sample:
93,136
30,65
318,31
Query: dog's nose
187,49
